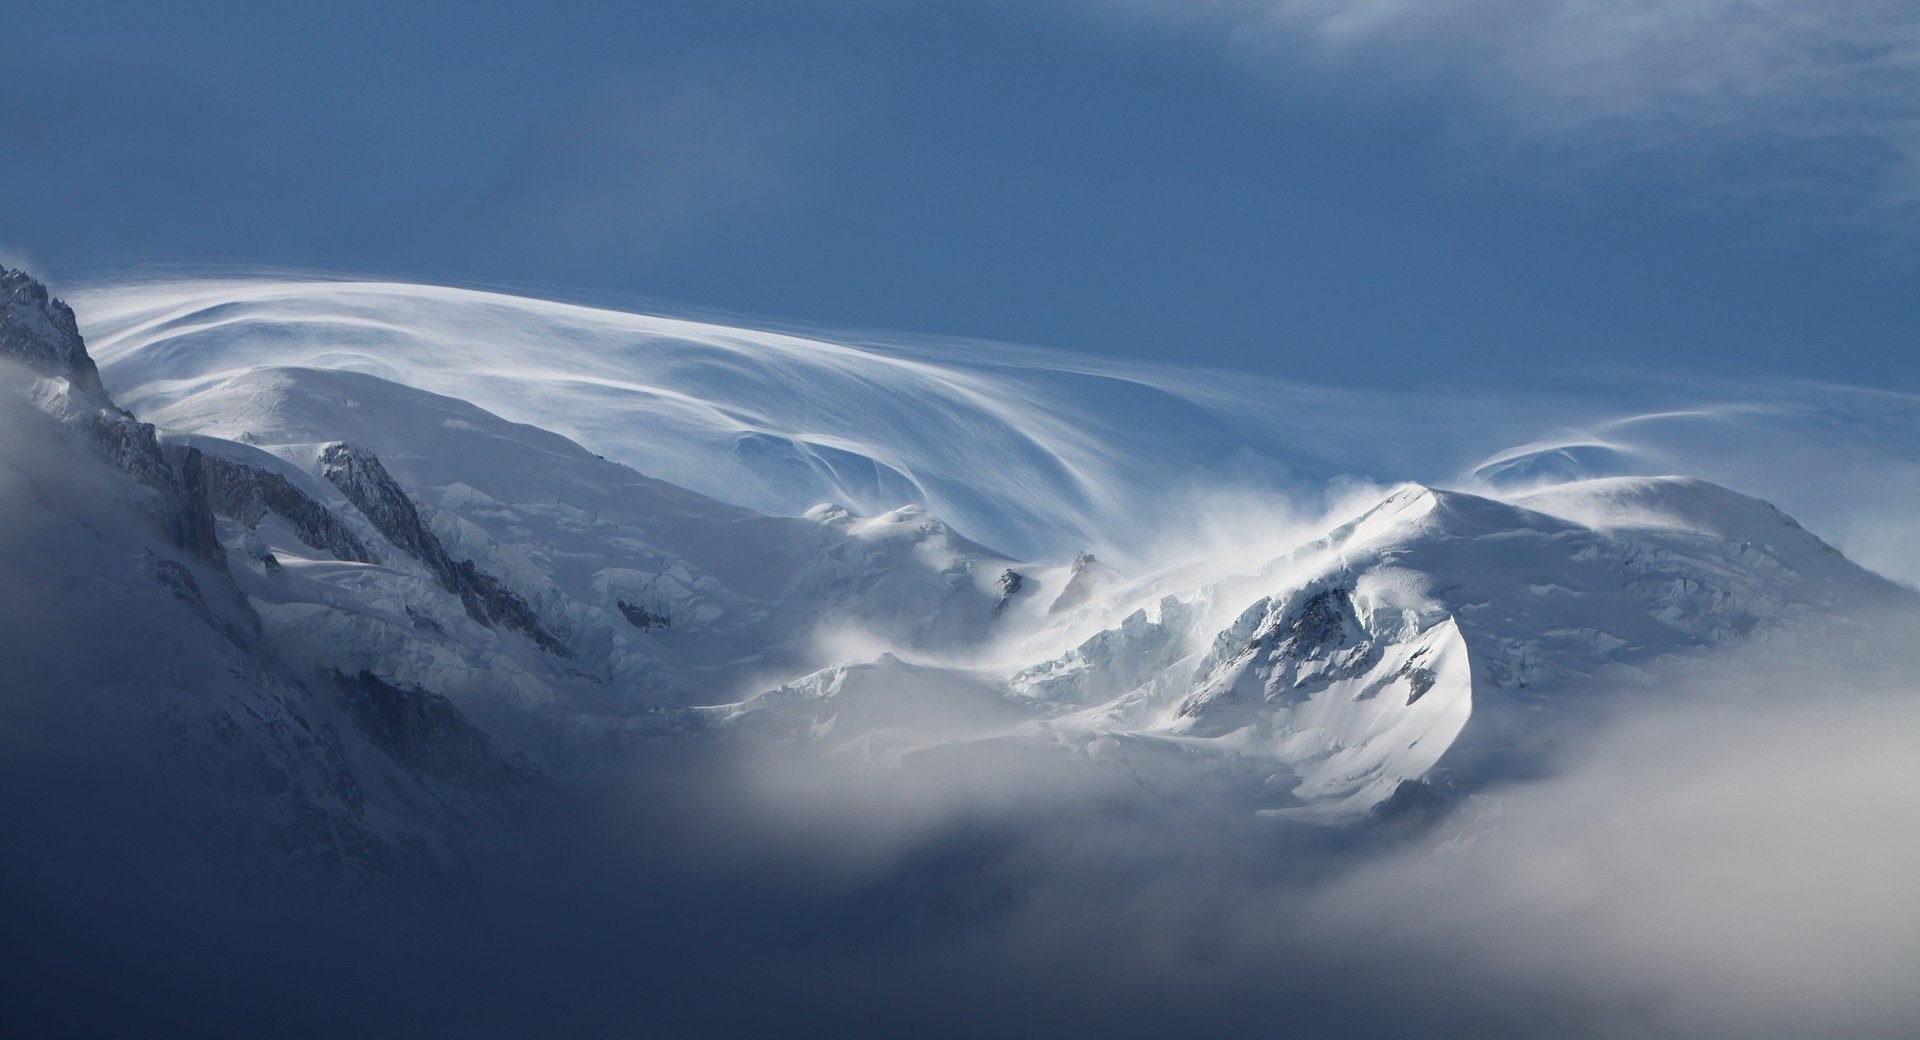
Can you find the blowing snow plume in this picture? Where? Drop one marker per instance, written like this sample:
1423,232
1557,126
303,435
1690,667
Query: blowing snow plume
1034,452
364,709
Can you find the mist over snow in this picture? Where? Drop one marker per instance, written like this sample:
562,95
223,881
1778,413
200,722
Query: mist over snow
396,660
1733,868
1387,519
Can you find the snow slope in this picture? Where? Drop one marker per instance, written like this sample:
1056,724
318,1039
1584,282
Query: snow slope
640,593
1028,458
1037,453
139,677
1452,638
1421,641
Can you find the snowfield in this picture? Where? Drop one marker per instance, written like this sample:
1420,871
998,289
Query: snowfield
1039,454
413,637
772,549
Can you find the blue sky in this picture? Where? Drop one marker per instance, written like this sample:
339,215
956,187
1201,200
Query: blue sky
1351,191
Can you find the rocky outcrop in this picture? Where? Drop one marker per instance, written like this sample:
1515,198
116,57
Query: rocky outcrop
1312,629
1008,585
40,332
247,494
1295,647
365,481
1086,579
642,618
425,734
174,713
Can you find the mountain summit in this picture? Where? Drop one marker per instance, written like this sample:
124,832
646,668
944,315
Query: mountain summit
40,332
452,611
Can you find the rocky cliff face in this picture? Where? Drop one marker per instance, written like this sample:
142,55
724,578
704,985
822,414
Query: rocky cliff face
1423,640
40,332
158,667
366,483
425,734
248,494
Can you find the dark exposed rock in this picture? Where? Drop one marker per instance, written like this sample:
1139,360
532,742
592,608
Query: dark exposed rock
281,801
130,445
1009,583
1315,625
367,484
248,493
1315,640
1419,680
193,511
1085,576
505,607
40,332
179,580
426,734
256,769
1413,806
1320,629
183,510
642,618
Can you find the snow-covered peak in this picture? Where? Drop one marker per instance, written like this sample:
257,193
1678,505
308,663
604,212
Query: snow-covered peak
385,519
1037,455
40,332
1447,636
1670,503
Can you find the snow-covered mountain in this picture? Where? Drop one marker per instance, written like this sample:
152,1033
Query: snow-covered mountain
138,667
771,421
1036,453
334,560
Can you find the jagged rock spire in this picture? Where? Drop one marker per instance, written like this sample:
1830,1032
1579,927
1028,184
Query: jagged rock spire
39,331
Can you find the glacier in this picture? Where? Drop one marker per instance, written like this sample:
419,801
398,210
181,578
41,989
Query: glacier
382,530
381,573
1037,453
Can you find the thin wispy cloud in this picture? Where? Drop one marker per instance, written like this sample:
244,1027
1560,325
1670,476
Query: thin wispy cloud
1799,95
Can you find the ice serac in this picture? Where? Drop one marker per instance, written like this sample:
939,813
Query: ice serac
662,596
1439,637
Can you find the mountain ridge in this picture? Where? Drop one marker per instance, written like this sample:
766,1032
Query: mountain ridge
504,587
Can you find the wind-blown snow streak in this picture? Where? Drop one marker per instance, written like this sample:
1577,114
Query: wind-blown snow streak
386,673
1028,458
1034,452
